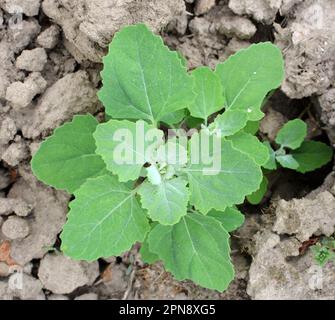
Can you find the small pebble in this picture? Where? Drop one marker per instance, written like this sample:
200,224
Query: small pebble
32,60
49,38
203,6
15,228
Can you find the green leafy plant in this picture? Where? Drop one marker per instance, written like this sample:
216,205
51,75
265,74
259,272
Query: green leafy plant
324,251
181,211
295,153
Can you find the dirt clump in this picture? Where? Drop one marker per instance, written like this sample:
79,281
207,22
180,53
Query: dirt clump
90,25
61,275
288,273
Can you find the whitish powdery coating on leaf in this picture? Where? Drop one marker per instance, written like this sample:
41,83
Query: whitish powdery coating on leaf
250,145
209,93
231,219
218,188
105,220
197,248
142,78
249,75
312,155
287,161
231,122
292,134
67,158
112,144
166,202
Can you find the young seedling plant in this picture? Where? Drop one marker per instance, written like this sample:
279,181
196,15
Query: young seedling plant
324,251
294,152
174,191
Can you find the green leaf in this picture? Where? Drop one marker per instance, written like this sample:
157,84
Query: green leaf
197,248
67,158
174,117
292,134
287,161
257,197
249,75
142,78
194,122
251,146
105,219
322,254
172,153
312,155
166,202
233,176
230,122
120,143
147,256
209,93
271,164
252,127
231,218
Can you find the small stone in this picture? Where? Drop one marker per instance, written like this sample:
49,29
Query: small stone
110,260
203,6
15,153
7,269
25,287
87,296
21,94
271,123
234,26
306,217
15,228
5,252
4,295
28,268
7,130
50,208
49,38
23,36
18,206
37,82
287,6
62,275
290,247
18,95
29,7
261,10
326,102
53,109
32,60
178,24
4,270
199,26
114,278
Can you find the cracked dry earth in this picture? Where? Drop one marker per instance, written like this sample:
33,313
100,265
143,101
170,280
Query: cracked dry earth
50,53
